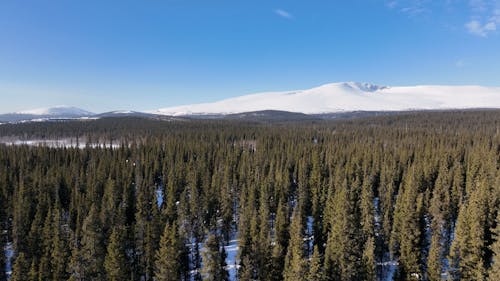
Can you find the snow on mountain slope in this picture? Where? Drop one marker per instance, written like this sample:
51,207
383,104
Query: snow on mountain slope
57,111
350,96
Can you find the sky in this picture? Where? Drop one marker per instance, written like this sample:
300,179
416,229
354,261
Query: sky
148,54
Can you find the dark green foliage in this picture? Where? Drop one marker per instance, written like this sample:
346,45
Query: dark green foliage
494,273
295,263
92,213
87,262
21,270
214,259
315,267
115,262
167,266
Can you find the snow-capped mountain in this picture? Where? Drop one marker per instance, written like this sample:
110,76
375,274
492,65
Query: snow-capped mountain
57,112
349,96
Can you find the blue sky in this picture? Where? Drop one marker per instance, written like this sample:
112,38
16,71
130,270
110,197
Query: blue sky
105,55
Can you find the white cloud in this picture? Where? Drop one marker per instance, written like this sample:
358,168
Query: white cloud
283,14
460,63
392,4
496,16
411,8
477,28
478,5
484,15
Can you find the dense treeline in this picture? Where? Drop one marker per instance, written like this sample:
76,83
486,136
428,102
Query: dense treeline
408,197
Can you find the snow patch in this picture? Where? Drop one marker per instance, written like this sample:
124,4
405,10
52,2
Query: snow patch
159,196
59,143
9,254
231,260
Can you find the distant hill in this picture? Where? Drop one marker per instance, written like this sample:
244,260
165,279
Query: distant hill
349,97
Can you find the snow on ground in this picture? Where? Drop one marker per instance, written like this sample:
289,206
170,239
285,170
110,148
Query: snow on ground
388,269
9,254
59,143
388,266
310,234
159,196
376,215
350,96
231,260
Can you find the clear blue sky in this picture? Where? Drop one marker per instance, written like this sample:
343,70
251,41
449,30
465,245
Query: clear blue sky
148,54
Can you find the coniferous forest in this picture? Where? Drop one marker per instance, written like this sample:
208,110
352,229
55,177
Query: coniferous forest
413,196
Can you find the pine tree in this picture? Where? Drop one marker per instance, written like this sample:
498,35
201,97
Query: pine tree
434,261
33,274
369,261
214,260
44,270
21,269
295,269
60,249
281,239
3,236
115,262
262,241
167,266
343,253
494,272
467,252
87,260
315,268
407,230
246,272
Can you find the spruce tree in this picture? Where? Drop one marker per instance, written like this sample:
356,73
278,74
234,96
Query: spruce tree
494,271
435,259
469,247
21,269
115,262
344,248
167,267
59,249
369,260
87,262
315,267
295,266
214,260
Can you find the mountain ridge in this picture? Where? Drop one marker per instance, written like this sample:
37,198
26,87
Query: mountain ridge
332,98
349,96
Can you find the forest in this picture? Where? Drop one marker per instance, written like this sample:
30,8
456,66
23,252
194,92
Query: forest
412,196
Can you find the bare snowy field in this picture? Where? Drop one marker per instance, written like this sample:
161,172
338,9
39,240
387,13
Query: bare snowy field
57,143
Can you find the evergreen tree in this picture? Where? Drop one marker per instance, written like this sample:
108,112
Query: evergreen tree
33,274
315,267
59,249
468,249
21,269
115,262
408,231
88,260
214,260
343,254
295,267
167,267
494,272
369,261
281,239
435,259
